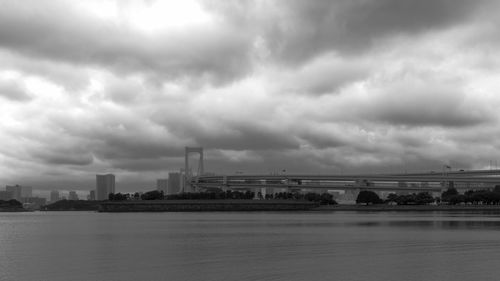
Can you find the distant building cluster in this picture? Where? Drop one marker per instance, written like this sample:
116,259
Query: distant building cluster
23,194
72,195
105,185
171,185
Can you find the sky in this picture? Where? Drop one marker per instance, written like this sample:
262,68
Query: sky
325,87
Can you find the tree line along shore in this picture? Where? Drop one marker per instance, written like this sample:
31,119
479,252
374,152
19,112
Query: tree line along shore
228,197
450,199
11,206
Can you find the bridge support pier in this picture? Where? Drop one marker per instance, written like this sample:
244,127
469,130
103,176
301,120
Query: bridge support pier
186,186
262,191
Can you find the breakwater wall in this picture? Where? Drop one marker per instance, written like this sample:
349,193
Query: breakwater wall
206,205
412,208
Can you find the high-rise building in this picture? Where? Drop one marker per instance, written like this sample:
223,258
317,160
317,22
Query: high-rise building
54,196
15,190
105,184
162,185
26,191
92,195
72,195
174,183
5,195
19,192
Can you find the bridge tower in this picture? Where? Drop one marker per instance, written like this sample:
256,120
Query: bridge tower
186,187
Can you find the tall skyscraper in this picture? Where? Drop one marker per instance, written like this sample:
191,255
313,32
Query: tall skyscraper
105,184
162,185
174,183
54,196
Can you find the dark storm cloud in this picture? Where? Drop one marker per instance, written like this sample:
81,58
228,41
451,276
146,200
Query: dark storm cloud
226,128
296,31
68,157
125,92
249,138
242,136
410,141
128,145
71,77
350,26
148,164
116,133
322,138
269,162
327,75
415,104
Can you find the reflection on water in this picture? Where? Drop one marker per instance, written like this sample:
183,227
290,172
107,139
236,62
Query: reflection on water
426,224
250,246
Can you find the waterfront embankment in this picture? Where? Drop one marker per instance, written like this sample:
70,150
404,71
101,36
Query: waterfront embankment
425,208
206,205
72,205
9,209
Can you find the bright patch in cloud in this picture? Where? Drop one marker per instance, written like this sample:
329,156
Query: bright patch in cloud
150,16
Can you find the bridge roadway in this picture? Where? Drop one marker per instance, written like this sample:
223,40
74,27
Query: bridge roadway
415,182
324,187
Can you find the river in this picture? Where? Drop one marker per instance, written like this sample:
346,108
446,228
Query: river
250,246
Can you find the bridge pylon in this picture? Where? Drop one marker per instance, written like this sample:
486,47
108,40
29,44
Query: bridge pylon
186,187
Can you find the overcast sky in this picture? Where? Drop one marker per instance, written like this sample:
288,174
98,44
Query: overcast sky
91,87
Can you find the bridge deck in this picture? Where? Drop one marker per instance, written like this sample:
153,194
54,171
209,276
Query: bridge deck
408,182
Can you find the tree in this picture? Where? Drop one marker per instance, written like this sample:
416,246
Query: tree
482,197
137,196
450,192
457,199
10,203
392,197
368,197
14,202
423,198
152,195
406,199
118,197
327,199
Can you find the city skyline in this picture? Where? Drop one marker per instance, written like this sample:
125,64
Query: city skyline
304,87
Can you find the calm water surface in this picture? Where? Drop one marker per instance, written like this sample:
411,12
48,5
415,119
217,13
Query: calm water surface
250,246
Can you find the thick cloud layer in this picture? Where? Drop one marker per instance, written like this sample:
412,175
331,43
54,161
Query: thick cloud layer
301,86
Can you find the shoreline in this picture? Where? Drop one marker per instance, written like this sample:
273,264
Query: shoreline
14,210
258,205
406,208
206,206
